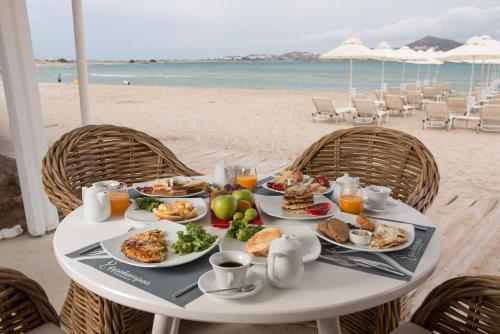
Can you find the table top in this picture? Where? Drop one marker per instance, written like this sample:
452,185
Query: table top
326,290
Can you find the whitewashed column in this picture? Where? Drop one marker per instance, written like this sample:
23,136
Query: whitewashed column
25,113
81,62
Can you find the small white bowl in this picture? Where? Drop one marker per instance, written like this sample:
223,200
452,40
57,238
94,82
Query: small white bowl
358,239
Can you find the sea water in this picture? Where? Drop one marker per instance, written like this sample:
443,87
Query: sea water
283,75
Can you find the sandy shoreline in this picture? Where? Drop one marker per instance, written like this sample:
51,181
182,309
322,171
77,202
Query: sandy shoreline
271,123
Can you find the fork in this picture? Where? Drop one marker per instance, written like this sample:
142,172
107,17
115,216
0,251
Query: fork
97,250
358,261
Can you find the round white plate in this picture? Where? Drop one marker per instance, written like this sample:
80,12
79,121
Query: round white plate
389,205
140,218
113,246
408,228
150,184
329,190
311,247
271,205
207,282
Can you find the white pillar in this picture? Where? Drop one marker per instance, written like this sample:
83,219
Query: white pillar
25,113
81,61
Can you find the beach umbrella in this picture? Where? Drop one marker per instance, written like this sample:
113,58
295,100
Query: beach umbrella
384,53
426,60
433,54
350,49
473,50
405,54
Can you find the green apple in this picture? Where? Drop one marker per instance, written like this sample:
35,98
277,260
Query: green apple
224,206
243,194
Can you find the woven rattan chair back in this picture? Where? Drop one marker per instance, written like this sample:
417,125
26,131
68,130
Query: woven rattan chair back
23,303
378,156
104,152
468,304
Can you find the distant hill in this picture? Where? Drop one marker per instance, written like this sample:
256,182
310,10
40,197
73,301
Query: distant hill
434,42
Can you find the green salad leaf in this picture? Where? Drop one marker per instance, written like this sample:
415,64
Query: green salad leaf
147,203
241,230
196,239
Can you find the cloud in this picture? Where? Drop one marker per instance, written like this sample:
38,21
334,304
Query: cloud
458,23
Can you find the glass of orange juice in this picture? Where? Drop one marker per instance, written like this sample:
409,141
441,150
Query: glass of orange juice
351,200
118,198
247,178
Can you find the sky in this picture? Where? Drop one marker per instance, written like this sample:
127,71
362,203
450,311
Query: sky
196,29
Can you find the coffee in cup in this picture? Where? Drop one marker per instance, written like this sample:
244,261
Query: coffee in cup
230,268
377,196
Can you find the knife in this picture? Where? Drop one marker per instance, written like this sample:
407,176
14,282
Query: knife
363,264
417,227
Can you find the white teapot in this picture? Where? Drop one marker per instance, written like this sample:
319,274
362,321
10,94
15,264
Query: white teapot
341,182
222,174
96,206
284,262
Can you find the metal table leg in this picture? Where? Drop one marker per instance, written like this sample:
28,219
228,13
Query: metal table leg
165,325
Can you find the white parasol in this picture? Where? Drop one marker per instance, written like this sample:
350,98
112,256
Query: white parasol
384,53
406,54
350,49
473,50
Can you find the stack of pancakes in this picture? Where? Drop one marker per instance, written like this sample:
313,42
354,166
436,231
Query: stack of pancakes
298,198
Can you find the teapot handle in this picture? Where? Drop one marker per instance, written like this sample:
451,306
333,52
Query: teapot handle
272,258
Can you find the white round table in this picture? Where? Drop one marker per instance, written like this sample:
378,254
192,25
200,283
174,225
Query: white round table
326,292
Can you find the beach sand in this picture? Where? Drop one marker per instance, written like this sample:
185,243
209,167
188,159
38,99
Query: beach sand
273,124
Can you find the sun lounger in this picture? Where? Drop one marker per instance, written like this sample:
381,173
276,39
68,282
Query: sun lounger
395,90
431,94
395,103
414,98
326,110
411,87
457,106
367,112
494,101
436,115
489,118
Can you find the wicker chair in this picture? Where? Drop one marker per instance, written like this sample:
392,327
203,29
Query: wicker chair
94,153
469,304
378,156
24,306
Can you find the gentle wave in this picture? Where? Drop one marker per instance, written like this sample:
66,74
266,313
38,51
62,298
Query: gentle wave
112,75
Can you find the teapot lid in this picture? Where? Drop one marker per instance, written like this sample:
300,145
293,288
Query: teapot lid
345,179
286,243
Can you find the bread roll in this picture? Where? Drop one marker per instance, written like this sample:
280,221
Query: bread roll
258,244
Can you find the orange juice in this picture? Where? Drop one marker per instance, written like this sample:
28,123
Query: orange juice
351,204
119,203
248,181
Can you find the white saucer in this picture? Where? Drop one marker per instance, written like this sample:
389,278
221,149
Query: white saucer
207,282
389,205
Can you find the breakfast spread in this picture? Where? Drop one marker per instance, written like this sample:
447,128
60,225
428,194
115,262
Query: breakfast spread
288,178
365,223
174,187
335,229
388,237
298,198
146,247
259,243
176,211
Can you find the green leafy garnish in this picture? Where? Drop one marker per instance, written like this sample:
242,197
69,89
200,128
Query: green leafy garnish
146,203
241,230
195,240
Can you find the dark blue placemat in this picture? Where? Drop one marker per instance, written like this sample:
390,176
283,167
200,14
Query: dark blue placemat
408,258
161,282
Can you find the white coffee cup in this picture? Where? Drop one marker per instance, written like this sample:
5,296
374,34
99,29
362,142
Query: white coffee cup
377,196
227,273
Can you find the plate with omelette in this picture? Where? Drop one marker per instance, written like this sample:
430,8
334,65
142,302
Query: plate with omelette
179,210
